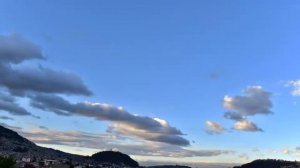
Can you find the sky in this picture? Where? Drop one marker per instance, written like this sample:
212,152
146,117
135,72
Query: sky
199,82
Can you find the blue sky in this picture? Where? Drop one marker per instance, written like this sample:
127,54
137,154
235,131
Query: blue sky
173,60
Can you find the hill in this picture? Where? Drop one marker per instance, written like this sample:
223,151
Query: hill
114,157
270,163
11,143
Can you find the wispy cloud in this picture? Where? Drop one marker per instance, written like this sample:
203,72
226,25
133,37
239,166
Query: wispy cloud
295,84
6,118
214,127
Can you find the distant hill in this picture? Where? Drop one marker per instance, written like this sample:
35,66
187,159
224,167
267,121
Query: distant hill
169,166
11,143
270,163
114,157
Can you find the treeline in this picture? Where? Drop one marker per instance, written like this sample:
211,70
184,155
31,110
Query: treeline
10,162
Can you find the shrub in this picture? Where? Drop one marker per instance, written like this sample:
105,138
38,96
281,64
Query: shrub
7,162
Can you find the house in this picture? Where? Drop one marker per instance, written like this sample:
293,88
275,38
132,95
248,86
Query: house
26,160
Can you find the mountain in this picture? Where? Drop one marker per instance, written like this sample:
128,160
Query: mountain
270,163
11,143
114,157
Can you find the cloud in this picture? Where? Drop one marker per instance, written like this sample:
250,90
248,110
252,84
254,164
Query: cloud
8,104
6,118
286,151
244,156
255,150
245,125
233,116
296,87
43,127
129,130
148,128
255,101
15,49
18,129
214,127
109,141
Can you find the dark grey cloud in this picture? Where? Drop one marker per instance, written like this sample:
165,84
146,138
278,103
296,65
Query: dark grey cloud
153,129
15,49
43,127
233,115
8,104
6,118
20,80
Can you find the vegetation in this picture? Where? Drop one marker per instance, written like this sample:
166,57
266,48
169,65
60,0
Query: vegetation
7,162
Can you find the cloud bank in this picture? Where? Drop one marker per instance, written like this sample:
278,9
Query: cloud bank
152,129
105,140
45,88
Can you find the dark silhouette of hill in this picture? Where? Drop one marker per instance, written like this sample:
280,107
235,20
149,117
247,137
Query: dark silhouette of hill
11,143
270,163
114,157
169,166
13,137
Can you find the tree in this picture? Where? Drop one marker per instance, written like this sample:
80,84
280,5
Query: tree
7,162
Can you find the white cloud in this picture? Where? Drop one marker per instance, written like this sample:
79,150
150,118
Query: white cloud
244,156
286,151
296,87
245,125
214,127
